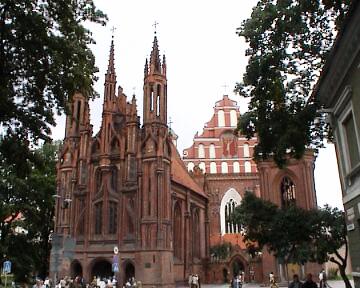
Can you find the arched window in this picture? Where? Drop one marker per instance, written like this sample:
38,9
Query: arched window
233,118
213,169
212,153
196,233
247,167
158,100
114,178
221,118
98,218
152,99
246,150
190,166
224,167
202,167
201,151
112,217
287,188
236,167
177,232
81,213
227,207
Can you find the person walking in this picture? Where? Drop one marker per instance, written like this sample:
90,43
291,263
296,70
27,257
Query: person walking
309,283
296,282
272,281
322,279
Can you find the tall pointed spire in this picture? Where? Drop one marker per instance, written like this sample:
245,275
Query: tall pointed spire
110,74
146,68
155,64
110,79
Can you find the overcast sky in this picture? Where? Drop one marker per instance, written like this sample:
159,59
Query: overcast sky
203,54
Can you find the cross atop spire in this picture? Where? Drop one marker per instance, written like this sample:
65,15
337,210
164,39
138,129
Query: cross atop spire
113,28
155,25
225,86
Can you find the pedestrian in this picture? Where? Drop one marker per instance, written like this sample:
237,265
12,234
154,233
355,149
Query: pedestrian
296,282
272,280
322,279
190,280
38,283
309,283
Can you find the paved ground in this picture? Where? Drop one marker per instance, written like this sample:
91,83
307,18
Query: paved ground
332,284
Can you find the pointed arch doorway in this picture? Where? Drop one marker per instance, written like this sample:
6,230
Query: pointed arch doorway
129,270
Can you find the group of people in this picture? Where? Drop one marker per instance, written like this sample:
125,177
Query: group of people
296,283
112,283
194,281
78,282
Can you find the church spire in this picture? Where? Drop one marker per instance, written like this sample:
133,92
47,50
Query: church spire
155,88
110,78
155,64
111,66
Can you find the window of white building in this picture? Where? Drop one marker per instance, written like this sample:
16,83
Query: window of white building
246,150
247,167
213,169
201,151
212,153
224,167
233,118
190,166
202,167
236,167
221,118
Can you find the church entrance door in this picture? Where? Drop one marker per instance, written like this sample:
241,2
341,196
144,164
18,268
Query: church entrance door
101,268
76,269
129,270
237,267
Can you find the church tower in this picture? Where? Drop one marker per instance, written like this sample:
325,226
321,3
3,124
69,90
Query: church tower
156,224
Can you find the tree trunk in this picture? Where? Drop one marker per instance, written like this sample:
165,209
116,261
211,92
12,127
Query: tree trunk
344,276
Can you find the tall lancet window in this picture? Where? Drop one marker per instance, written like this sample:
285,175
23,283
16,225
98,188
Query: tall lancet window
230,225
196,233
177,232
151,98
227,207
158,100
112,217
98,218
288,192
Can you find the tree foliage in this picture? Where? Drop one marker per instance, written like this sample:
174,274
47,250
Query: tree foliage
294,235
44,59
26,213
289,41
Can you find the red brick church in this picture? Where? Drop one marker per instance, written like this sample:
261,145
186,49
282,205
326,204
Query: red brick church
128,188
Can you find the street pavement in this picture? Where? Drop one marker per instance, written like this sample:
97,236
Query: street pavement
332,284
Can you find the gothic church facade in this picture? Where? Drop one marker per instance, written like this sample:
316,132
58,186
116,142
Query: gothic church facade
127,188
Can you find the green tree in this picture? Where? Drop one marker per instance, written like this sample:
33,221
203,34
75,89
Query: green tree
329,234
288,44
44,59
293,235
26,240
